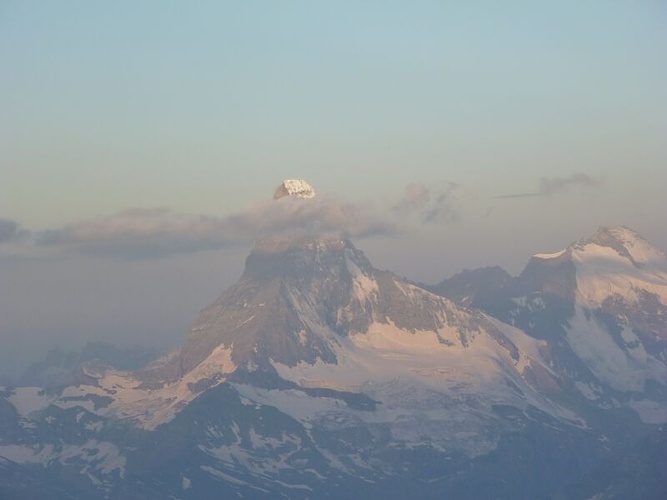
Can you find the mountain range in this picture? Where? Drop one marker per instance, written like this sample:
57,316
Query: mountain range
317,375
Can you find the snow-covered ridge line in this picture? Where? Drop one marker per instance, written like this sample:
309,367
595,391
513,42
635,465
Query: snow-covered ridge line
549,255
627,243
602,272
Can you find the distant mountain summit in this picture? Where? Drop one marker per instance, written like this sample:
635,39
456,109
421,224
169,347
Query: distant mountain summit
601,304
627,244
612,262
294,188
471,287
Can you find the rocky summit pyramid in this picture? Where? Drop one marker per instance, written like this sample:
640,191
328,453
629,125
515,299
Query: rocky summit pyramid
294,188
317,375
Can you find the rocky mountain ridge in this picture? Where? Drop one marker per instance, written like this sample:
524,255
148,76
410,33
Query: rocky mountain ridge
318,375
601,303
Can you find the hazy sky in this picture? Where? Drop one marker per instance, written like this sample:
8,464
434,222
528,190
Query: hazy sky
140,144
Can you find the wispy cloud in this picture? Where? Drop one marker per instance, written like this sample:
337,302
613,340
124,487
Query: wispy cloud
430,204
554,185
154,233
519,195
550,186
415,197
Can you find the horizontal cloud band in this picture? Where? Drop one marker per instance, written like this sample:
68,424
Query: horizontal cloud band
150,233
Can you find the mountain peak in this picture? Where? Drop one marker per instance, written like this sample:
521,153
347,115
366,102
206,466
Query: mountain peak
614,236
276,256
294,188
625,242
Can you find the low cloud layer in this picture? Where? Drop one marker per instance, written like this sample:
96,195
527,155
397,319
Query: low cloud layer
153,233
150,233
550,186
429,204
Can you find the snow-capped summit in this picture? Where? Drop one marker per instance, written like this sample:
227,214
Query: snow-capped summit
617,262
601,304
614,261
294,188
626,243
621,242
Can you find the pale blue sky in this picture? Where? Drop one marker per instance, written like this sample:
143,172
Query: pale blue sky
204,107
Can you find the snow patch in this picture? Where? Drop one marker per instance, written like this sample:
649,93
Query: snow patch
364,286
641,251
102,456
592,343
22,454
549,255
424,387
226,477
602,272
186,483
27,400
651,412
587,390
152,407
